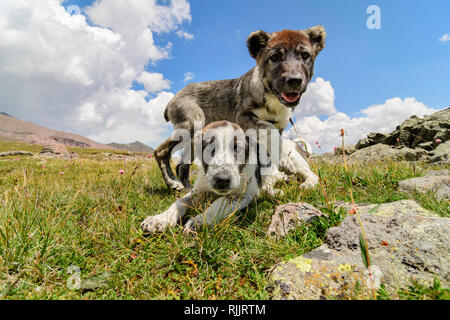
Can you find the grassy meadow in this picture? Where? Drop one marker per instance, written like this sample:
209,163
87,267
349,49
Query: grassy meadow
61,215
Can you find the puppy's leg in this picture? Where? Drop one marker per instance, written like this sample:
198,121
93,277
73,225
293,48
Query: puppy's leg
219,210
162,155
170,217
268,182
292,161
183,168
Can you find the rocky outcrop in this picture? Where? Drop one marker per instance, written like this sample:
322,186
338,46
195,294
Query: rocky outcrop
428,137
405,241
55,150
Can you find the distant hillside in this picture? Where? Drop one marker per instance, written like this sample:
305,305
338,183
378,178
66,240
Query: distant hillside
17,130
136,146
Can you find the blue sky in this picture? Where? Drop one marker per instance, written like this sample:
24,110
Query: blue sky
365,66
109,73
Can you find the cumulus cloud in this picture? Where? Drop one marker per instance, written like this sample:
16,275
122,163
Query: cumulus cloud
326,133
188,76
74,72
153,82
445,38
317,100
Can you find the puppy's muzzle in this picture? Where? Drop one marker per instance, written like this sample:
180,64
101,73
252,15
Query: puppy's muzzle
222,181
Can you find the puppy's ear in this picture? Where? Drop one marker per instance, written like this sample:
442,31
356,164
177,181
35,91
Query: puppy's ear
317,35
256,42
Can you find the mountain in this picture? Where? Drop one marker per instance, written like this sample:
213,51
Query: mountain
14,129
136,146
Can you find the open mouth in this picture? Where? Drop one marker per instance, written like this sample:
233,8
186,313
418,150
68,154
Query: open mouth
291,97
288,98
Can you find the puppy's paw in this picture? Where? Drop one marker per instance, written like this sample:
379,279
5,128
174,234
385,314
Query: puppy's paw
176,185
273,192
159,223
311,182
194,224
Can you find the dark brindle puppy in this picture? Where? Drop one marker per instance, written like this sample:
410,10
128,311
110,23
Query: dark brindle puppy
263,98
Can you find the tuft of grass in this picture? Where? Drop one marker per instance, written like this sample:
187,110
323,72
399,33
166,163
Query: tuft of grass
89,218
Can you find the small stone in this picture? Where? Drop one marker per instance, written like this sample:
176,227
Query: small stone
289,216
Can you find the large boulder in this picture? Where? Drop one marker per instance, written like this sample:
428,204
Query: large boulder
406,243
55,150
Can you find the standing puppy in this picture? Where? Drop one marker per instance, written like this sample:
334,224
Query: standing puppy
230,169
263,98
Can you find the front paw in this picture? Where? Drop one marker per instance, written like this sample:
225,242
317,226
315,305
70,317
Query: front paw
273,192
158,223
311,182
194,224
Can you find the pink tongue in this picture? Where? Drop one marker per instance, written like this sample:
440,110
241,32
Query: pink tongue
290,97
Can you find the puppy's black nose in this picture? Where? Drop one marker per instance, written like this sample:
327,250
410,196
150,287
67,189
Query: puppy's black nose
294,82
222,181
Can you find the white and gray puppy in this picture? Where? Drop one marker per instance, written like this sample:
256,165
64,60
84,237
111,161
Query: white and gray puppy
235,168
230,169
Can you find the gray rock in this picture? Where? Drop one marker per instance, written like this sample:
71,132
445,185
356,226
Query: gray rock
288,216
15,153
437,181
55,150
384,152
441,153
405,242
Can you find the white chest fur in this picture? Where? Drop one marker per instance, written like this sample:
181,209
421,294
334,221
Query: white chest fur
274,112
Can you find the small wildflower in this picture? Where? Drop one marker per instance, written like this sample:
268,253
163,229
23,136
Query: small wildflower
16,159
121,171
319,146
384,243
352,211
80,162
317,142
43,167
149,156
342,132
438,141
61,173
335,149
398,140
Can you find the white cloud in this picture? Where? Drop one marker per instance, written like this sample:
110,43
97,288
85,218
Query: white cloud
188,76
317,100
58,70
445,38
153,82
376,118
185,35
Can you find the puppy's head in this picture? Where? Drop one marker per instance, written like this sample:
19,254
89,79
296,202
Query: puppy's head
224,154
286,60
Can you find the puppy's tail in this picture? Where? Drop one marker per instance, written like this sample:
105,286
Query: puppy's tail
305,143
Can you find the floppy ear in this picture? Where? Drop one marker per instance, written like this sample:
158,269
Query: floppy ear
256,42
317,37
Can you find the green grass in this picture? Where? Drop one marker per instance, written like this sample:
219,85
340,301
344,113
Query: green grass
89,217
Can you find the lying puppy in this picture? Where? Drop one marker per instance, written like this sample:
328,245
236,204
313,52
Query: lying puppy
231,168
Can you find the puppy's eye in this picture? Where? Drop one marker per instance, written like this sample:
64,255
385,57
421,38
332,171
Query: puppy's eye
275,57
305,55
